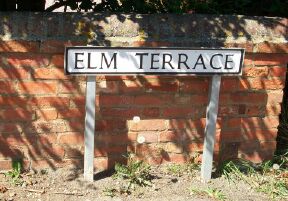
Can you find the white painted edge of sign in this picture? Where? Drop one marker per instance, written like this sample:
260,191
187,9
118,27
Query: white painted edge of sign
238,73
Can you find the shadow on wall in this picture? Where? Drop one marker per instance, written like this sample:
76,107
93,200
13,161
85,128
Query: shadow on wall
42,110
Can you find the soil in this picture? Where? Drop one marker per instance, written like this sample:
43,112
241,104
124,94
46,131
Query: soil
68,184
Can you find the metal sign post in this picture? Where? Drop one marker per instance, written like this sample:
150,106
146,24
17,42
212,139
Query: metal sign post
89,128
211,120
93,61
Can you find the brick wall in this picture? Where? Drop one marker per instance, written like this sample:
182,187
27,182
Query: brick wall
42,110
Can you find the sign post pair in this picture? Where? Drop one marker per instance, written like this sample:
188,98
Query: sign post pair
92,61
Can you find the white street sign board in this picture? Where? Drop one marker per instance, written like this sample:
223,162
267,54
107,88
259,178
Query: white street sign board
107,60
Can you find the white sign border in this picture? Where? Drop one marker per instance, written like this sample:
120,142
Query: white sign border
242,50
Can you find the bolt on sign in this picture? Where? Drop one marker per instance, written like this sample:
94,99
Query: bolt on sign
93,61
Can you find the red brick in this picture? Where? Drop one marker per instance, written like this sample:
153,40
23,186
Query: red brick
120,112
277,71
110,125
101,151
46,102
198,124
108,87
37,87
6,164
75,125
8,152
53,151
248,146
71,113
74,152
248,46
234,123
149,136
259,134
16,115
194,147
114,100
148,125
172,147
266,47
264,83
70,87
10,127
111,138
268,145
255,71
178,112
270,59
255,110
38,140
46,114
57,61
253,122
25,60
34,102
170,136
147,150
52,126
162,86
228,110
251,98
151,112
194,86
78,101
176,158
71,138
256,157
234,135
13,73
7,87
104,163
150,99
130,86
195,99
19,46
228,84
273,109
248,60
49,73
275,97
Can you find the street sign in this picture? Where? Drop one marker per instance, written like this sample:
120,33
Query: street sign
104,60
93,61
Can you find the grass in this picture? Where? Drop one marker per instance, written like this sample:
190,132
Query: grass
269,177
135,172
110,192
181,169
213,193
14,175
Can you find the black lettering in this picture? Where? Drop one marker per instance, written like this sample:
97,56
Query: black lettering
153,61
141,58
76,60
182,62
228,61
167,62
211,61
200,63
89,62
103,57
